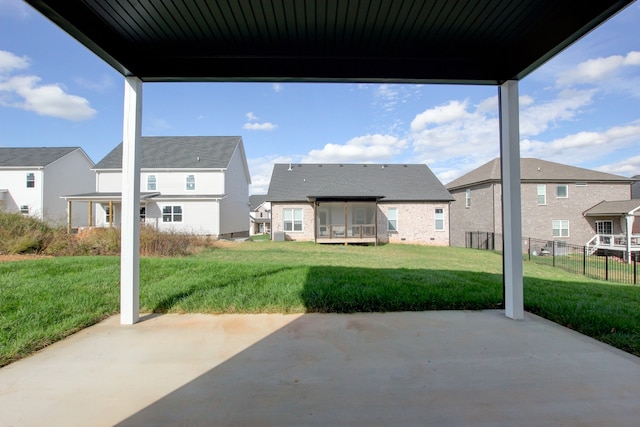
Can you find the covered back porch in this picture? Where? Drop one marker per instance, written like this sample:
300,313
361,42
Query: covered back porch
346,221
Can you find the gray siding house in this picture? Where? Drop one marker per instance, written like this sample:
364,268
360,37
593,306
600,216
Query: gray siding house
556,202
359,203
190,184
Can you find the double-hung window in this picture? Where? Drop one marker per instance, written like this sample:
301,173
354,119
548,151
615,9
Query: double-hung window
108,215
292,219
604,227
392,219
31,180
191,182
560,228
467,198
542,194
152,183
24,209
172,213
439,219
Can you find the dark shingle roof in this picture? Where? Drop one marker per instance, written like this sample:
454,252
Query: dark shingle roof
32,156
635,188
617,207
535,170
255,200
178,152
391,182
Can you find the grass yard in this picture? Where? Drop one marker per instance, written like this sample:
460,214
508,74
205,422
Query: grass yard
44,300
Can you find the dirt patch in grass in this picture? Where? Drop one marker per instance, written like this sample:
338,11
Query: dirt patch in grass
21,257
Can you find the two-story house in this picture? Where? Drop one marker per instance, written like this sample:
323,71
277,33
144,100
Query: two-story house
32,179
556,202
358,203
260,214
196,185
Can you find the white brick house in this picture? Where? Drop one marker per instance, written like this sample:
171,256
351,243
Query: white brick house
32,179
196,185
359,203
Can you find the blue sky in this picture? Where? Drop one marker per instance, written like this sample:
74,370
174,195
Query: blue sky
581,108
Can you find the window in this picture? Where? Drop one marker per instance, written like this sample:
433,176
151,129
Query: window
392,218
439,216
151,183
107,215
467,198
31,180
562,191
191,182
143,213
604,227
292,219
24,209
560,228
542,194
172,214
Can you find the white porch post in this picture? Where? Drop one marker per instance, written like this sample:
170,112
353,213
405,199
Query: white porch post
629,220
511,205
130,221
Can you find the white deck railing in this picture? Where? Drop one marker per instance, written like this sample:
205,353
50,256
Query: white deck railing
612,241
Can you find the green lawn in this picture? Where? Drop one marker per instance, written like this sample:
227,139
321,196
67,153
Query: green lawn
44,300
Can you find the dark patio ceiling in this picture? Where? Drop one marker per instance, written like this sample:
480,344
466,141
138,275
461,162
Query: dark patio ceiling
437,41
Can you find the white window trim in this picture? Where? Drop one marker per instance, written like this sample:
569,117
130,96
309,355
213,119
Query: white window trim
603,221
467,198
31,174
435,220
561,228
544,193
389,220
172,213
293,220
24,208
565,186
186,182
155,182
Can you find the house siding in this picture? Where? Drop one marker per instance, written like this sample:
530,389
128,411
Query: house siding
234,208
416,223
18,194
536,219
277,217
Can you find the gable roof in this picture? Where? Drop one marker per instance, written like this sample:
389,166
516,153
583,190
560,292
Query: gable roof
393,182
635,188
32,156
535,170
617,207
178,152
256,200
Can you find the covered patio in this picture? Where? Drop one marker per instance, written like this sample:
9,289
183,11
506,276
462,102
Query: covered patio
459,42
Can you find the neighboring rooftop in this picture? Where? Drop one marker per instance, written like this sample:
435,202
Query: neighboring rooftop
256,200
32,156
617,207
535,170
389,182
635,188
178,152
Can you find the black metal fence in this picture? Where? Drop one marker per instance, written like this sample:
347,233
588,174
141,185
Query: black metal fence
602,264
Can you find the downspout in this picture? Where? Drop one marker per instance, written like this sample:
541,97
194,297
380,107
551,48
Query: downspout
629,230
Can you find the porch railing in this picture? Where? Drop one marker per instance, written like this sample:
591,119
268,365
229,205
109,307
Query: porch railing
353,231
612,241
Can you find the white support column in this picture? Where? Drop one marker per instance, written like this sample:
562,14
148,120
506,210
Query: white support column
511,205
130,221
629,219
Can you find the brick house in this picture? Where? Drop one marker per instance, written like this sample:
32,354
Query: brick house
555,198
259,215
359,203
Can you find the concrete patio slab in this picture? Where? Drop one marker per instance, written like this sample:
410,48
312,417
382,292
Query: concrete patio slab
446,368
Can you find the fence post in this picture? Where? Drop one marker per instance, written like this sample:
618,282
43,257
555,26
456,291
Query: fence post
529,248
584,260
635,270
606,265
553,252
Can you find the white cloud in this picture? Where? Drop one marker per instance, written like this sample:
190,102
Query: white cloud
10,62
537,118
627,167
448,113
27,93
261,169
251,117
278,87
14,8
259,126
362,149
46,100
584,146
596,70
